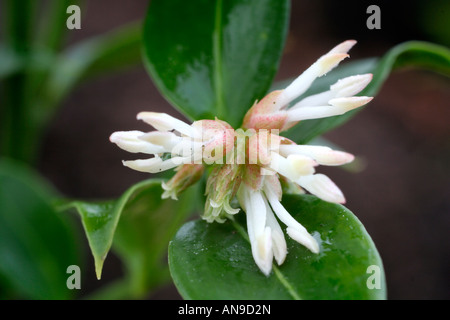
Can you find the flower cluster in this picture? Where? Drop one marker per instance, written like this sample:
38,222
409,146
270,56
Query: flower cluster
249,163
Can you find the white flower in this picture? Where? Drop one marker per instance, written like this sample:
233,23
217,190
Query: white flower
260,194
274,112
255,171
261,202
186,144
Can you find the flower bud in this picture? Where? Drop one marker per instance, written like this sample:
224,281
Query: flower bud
186,175
222,185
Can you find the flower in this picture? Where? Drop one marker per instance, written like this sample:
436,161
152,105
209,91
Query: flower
221,187
273,112
178,145
250,163
187,175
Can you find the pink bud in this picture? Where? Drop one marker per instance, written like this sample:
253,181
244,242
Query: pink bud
265,114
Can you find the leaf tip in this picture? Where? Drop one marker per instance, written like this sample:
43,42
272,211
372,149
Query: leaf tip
99,267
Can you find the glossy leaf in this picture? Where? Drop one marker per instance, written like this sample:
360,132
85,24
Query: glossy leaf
214,261
213,57
409,54
146,225
37,244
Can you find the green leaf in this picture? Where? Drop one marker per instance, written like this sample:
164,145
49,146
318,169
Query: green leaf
214,261
144,232
213,57
409,54
140,238
36,243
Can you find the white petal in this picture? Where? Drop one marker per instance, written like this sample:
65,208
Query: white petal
155,165
187,147
349,103
297,87
323,65
306,113
262,251
165,122
253,204
258,211
323,155
345,87
166,140
279,246
176,145
146,165
319,99
293,166
350,86
343,47
259,235
295,230
303,237
322,186
304,81
129,141
329,62
338,106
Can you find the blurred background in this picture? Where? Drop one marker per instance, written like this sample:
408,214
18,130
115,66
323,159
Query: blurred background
401,190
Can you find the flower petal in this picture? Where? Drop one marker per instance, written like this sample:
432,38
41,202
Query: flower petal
322,186
329,62
323,155
156,164
167,140
279,246
259,235
343,47
322,66
263,252
352,85
303,237
345,87
130,141
338,106
165,122
293,166
295,230
350,103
